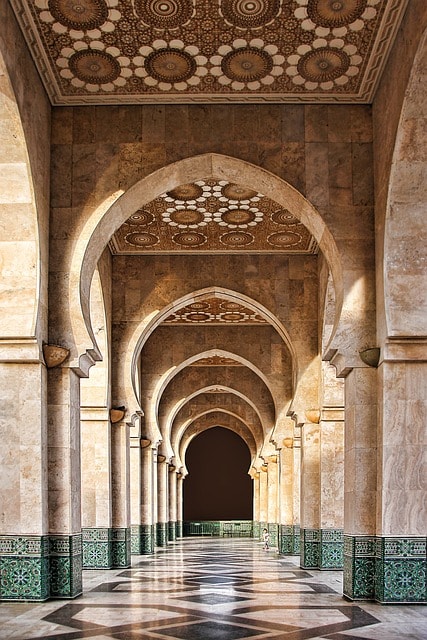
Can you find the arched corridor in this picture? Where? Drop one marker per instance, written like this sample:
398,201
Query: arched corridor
211,589
212,216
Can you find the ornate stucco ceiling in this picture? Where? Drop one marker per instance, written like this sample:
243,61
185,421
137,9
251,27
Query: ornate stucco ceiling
130,51
212,216
214,311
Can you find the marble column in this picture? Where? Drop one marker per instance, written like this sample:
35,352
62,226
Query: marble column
172,524
310,494
263,498
400,552
96,488
256,506
64,484
24,543
179,505
120,464
162,501
296,527
286,497
360,483
141,474
273,496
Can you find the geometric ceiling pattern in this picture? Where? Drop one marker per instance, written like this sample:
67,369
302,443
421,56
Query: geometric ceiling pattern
212,216
215,311
118,51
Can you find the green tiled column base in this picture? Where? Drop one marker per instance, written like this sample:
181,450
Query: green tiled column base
400,570
331,549
310,548
256,530
297,539
262,526
359,567
171,531
273,530
161,534
142,539
286,542
120,547
179,529
24,568
65,565
97,548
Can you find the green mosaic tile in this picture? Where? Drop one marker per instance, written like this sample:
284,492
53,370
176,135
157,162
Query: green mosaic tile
310,548
65,566
179,529
24,578
171,531
256,530
297,539
273,530
121,547
400,570
331,550
161,534
359,567
97,548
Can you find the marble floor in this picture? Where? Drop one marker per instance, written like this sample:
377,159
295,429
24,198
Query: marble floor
212,589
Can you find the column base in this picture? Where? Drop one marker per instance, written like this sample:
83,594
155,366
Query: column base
65,566
24,568
179,529
256,530
400,570
171,531
286,540
297,539
359,567
161,534
120,548
97,548
273,530
322,549
142,539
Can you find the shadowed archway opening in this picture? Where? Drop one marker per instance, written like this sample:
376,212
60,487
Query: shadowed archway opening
218,486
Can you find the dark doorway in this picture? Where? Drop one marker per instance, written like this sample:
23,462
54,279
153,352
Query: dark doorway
218,486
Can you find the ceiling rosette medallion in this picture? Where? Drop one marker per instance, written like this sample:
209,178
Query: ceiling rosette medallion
164,14
93,66
79,18
324,64
249,14
170,65
247,65
336,16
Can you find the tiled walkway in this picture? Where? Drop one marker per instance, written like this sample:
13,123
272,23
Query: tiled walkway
212,589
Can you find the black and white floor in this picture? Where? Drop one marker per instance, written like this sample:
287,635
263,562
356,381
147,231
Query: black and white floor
212,589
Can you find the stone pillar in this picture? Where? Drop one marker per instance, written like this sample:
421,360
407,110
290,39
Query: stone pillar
286,496
142,538
96,488
65,538
256,506
179,506
272,496
162,501
172,524
360,483
310,494
24,543
263,498
400,553
120,464
331,489
297,492
331,470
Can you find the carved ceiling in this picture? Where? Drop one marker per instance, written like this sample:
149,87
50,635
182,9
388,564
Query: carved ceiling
212,216
214,311
135,51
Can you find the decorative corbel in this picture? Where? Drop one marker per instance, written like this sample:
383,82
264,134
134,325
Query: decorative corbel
371,357
145,442
117,414
313,415
54,355
288,443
